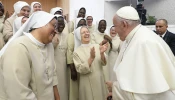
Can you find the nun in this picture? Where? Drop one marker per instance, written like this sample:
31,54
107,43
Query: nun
89,60
97,38
113,53
56,10
35,6
98,35
27,65
60,49
90,25
80,13
59,11
21,8
2,18
18,22
73,75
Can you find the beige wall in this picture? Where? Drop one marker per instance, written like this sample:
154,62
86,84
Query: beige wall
65,5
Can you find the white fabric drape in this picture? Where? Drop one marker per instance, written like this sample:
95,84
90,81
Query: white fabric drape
77,37
17,24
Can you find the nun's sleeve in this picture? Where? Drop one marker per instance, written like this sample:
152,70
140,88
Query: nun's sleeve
71,26
93,39
17,71
70,48
1,36
55,80
7,31
81,66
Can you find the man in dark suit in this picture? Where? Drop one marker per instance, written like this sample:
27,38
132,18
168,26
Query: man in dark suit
169,37
142,13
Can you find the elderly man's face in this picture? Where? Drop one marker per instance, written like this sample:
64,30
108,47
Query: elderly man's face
118,28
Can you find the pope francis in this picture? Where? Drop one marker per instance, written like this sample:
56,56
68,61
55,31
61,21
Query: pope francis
145,66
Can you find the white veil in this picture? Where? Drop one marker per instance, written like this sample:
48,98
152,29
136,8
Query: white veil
37,19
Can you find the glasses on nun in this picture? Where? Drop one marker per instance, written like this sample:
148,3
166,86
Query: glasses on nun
90,19
56,26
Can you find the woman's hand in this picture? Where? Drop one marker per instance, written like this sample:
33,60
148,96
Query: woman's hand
92,53
103,48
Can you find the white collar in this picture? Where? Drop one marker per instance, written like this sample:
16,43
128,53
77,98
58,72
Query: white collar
90,26
100,32
131,34
85,45
164,34
34,39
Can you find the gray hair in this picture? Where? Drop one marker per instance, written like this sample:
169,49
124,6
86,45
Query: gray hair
130,22
164,20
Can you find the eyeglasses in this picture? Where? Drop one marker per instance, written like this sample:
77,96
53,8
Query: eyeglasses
55,26
89,19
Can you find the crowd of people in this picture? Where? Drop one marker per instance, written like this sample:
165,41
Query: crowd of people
45,57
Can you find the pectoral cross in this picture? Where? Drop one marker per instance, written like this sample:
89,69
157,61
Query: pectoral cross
47,73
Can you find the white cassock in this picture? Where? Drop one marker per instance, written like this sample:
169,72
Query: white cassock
145,68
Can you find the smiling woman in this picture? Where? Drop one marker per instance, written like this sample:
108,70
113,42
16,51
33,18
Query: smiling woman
97,36
28,61
89,60
46,4
60,50
36,6
21,9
